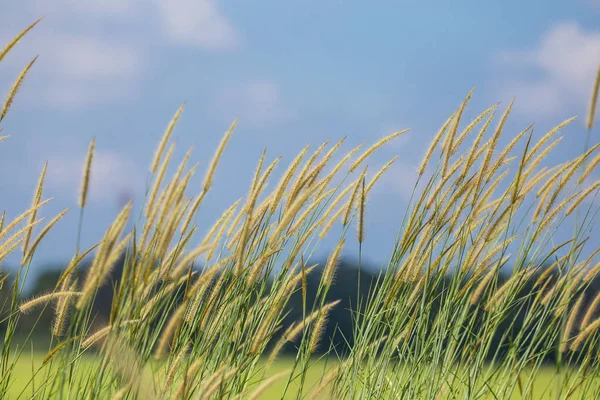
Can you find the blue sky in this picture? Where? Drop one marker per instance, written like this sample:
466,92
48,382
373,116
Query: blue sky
294,72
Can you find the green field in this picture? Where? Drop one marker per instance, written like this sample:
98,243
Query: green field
22,386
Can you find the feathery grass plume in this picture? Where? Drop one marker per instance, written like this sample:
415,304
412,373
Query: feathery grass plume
537,178
286,177
540,206
589,168
249,210
589,314
301,181
13,42
566,337
173,324
216,381
499,295
158,181
100,267
344,160
332,220
476,296
379,174
548,218
262,182
165,139
546,273
12,243
190,376
15,88
175,188
492,146
99,271
102,333
340,196
543,154
217,156
509,147
34,206
221,230
317,332
164,291
304,171
3,137
476,150
265,328
593,101
255,395
18,234
448,145
491,254
361,213
168,226
461,138
28,305
582,197
298,245
53,352
350,204
591,328
127,363
87,169
374,147
332,262
552,180
540,293
311,176
302,218
2,218
170,377
62,307
184,264
556,288
257,267
207,275
418,288
547,137
592,273
29,255
580,160
292,332
289,214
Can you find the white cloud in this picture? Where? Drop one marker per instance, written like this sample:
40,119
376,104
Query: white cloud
557,74
197,22
96,51
76,72
258,103
399,180
111,175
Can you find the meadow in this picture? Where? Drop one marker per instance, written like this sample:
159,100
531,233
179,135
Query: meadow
543,387
437,323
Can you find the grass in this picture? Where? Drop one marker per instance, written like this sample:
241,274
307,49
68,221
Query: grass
542,386
438,323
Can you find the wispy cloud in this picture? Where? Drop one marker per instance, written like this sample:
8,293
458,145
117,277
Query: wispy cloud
112,175
556,75
259,103
197,23
97,51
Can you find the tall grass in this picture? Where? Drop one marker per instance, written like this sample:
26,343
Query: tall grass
178,332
